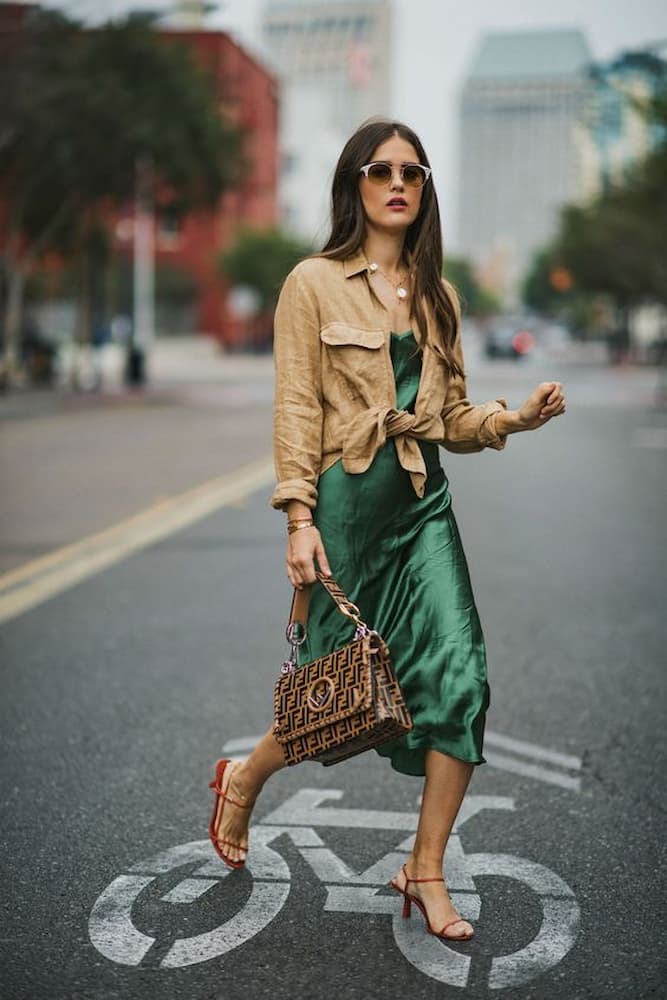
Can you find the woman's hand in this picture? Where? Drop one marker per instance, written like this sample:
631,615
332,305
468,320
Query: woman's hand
545,402
304,548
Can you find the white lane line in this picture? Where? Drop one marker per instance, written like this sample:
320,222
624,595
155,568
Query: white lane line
37,581
516,766
532,750
501,761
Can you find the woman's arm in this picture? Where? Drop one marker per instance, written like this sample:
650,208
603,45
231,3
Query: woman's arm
545,402
304,547
472,427
298,426
297,423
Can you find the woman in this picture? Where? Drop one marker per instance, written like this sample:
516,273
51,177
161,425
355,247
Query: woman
369,381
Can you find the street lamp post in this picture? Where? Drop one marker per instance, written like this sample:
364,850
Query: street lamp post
144,275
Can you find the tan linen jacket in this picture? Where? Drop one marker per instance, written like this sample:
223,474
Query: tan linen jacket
335,395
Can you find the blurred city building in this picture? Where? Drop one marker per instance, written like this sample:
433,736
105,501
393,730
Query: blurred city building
187,15
521,102
332,58
614,133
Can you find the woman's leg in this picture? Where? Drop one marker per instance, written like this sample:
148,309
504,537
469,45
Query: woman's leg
444,787
244,782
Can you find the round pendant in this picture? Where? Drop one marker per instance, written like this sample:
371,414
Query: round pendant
402,293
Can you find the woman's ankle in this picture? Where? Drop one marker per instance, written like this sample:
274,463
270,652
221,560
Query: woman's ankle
245,785
424,866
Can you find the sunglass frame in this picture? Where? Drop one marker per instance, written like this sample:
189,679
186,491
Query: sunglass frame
426,172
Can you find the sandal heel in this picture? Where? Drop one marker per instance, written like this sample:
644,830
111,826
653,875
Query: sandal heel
408,900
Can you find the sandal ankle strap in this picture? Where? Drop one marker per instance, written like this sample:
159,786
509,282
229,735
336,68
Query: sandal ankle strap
224,794
234,802
408,879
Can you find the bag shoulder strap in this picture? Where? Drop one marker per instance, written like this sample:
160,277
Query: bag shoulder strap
301,602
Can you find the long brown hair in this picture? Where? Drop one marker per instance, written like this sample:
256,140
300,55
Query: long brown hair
423,239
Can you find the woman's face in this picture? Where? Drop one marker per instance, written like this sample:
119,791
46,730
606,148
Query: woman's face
391,207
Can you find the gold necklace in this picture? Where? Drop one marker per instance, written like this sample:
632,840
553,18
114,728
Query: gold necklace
399,286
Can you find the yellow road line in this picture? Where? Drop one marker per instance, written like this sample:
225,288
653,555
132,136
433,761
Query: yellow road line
36,581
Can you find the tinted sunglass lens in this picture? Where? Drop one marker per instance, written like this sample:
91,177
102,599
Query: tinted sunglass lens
413,176
379,173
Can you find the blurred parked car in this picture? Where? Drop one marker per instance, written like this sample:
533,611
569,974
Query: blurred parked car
508,338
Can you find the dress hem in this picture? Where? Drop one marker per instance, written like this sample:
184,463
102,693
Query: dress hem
399,758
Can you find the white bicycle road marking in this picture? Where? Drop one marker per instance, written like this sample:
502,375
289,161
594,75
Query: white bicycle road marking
114,934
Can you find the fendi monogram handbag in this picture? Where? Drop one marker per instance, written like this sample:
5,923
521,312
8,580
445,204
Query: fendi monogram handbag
340,704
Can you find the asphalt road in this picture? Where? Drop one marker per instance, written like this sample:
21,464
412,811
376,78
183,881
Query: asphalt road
119,693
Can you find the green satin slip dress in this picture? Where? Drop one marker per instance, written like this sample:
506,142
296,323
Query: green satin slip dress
400,559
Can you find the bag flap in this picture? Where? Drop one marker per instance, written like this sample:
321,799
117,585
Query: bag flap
327,690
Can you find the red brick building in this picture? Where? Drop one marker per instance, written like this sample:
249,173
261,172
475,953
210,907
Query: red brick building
248,97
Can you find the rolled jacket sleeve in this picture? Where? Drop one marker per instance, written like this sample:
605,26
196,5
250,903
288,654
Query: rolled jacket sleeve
297,439
469,426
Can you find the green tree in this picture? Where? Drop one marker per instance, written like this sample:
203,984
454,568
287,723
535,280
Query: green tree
614,246
261,259
549,288
80,110
475,300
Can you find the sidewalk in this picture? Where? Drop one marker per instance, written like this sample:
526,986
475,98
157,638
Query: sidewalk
175,366
200,359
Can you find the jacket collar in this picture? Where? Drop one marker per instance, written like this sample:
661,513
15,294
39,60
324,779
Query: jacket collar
355,264
358,263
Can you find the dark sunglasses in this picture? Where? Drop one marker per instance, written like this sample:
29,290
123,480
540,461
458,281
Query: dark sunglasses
380,172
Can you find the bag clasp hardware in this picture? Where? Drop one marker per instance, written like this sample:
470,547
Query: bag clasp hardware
320,693
296,636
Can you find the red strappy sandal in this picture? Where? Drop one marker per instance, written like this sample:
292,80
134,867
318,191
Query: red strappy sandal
409,899
218,811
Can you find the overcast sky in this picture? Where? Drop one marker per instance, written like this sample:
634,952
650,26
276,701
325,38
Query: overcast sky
433,43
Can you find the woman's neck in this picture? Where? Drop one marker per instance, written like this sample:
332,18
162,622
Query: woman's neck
385,250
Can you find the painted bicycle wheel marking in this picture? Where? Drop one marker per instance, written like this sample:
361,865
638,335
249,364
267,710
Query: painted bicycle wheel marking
115,935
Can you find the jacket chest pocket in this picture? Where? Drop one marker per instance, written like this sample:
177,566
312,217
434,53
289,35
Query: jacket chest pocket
356,358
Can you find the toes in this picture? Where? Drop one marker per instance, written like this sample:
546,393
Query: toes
232,850
462,929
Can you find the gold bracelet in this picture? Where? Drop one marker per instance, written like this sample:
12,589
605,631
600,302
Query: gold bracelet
299,520
291,528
